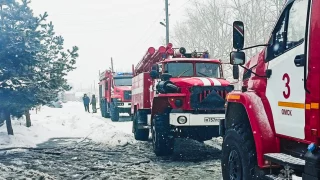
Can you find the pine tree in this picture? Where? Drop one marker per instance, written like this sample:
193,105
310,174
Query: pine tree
33,61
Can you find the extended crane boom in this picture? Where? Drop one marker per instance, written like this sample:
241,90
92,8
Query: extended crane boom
152,56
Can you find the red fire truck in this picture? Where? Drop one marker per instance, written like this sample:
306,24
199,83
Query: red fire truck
177,94
115,94
272,126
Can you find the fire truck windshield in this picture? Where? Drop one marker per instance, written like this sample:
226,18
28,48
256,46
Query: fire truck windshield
185,69
179,69
123,81
208,70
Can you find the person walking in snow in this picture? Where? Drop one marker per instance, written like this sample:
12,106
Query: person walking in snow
86,101
94,103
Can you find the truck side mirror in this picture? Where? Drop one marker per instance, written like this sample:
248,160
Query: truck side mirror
235,72
238,35
237,58
154,74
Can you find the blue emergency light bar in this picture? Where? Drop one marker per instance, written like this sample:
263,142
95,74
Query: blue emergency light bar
124,73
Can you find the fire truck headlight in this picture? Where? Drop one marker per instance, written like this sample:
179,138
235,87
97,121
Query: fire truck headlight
178,102
182,119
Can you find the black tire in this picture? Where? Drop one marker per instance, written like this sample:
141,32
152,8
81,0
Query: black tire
139,134
239,159
114,112
162,139
107,114
102,109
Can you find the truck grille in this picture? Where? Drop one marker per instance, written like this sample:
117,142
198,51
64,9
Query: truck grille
209,98
205,93
127,95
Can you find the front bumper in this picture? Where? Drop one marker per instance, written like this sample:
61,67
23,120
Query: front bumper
197,119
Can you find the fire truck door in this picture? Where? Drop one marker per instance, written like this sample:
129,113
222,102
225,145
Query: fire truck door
285,87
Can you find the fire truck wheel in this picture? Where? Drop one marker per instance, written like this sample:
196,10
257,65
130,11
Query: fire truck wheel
102,111
238,154
107,114
114,112
139,134
162,140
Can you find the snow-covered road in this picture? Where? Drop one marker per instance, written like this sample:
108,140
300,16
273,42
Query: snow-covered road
87,146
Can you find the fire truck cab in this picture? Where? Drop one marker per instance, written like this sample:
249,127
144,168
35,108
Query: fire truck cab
115,94
177,95
272,126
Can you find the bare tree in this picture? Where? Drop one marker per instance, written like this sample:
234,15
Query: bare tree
208,26
28,118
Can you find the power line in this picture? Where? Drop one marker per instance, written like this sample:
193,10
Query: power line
180,7
151,25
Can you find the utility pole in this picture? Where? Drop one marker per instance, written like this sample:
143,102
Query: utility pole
112,65
167,21
94,86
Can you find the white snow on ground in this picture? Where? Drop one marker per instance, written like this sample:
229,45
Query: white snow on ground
69,121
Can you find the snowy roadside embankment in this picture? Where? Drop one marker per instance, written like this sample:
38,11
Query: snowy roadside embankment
69,121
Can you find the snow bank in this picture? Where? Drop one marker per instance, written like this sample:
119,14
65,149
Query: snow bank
69,121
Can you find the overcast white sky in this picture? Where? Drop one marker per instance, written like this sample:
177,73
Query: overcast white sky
122,29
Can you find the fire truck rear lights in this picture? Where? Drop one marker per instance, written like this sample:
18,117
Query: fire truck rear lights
169,46
182,120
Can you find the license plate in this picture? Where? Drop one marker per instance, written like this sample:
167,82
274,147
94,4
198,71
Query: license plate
211,119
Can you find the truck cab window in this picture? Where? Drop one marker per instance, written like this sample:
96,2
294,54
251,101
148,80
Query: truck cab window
297,23
179,69
291,28
208,70
123,81
279,39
